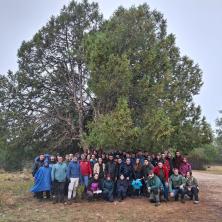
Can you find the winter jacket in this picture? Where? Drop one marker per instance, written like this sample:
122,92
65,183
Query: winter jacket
119,170
73,170
146,169
96,169
110,169
157,171
85,168
184,168
36,166
128,171
122,185
42,180
177,162
176,181
154,183
191,182
108,185
94,185
58,172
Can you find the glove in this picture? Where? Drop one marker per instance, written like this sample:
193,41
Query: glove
181,186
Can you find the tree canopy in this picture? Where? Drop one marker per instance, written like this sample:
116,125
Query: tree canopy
120,83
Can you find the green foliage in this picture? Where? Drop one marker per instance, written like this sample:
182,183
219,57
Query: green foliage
114,130
117,84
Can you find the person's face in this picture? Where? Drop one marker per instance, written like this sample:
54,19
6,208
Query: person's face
188,174
151,175
122,177
146,162
160,165
158,157
110,158
96,176
52,159
100,160
163,156
88,157
75,159
177,154
70,156
133,155
119,161
108,178
41,157
103,156
60,159
127,155
67,157
128,161
169,155
137,161
93,157
184,160
176,172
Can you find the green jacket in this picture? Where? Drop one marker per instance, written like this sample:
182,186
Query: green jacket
58,172
154,183
176,181
191,182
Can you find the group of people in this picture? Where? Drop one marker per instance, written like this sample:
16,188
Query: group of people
115,175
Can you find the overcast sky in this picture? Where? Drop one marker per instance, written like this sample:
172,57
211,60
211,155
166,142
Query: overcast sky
197,25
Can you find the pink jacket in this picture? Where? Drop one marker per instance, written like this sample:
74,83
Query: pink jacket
184,168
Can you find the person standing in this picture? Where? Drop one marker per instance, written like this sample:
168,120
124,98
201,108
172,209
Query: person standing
85,170
58,176
73,175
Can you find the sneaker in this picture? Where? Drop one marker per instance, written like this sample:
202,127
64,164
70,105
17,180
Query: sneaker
196,202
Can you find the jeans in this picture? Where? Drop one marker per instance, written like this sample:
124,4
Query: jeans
193,193
155,195
108,195
177,192
165,190
85,180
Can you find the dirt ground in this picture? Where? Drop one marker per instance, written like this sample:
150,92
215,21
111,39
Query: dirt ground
19,206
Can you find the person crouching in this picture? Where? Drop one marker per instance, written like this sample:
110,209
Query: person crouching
122,187
107,189
94,189
154,188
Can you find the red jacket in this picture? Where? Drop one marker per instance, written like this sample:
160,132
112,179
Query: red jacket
156,171
85,168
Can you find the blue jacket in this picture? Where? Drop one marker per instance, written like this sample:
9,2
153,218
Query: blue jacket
73,170
58,172
42,180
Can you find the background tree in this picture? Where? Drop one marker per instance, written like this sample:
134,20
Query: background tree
157,81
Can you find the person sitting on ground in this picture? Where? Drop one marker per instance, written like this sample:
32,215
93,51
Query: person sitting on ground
184,167
122,186
107,189
73,175
94,190
191,187
162,172
42,181
176,185
154,188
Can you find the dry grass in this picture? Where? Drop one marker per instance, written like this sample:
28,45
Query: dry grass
18,205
